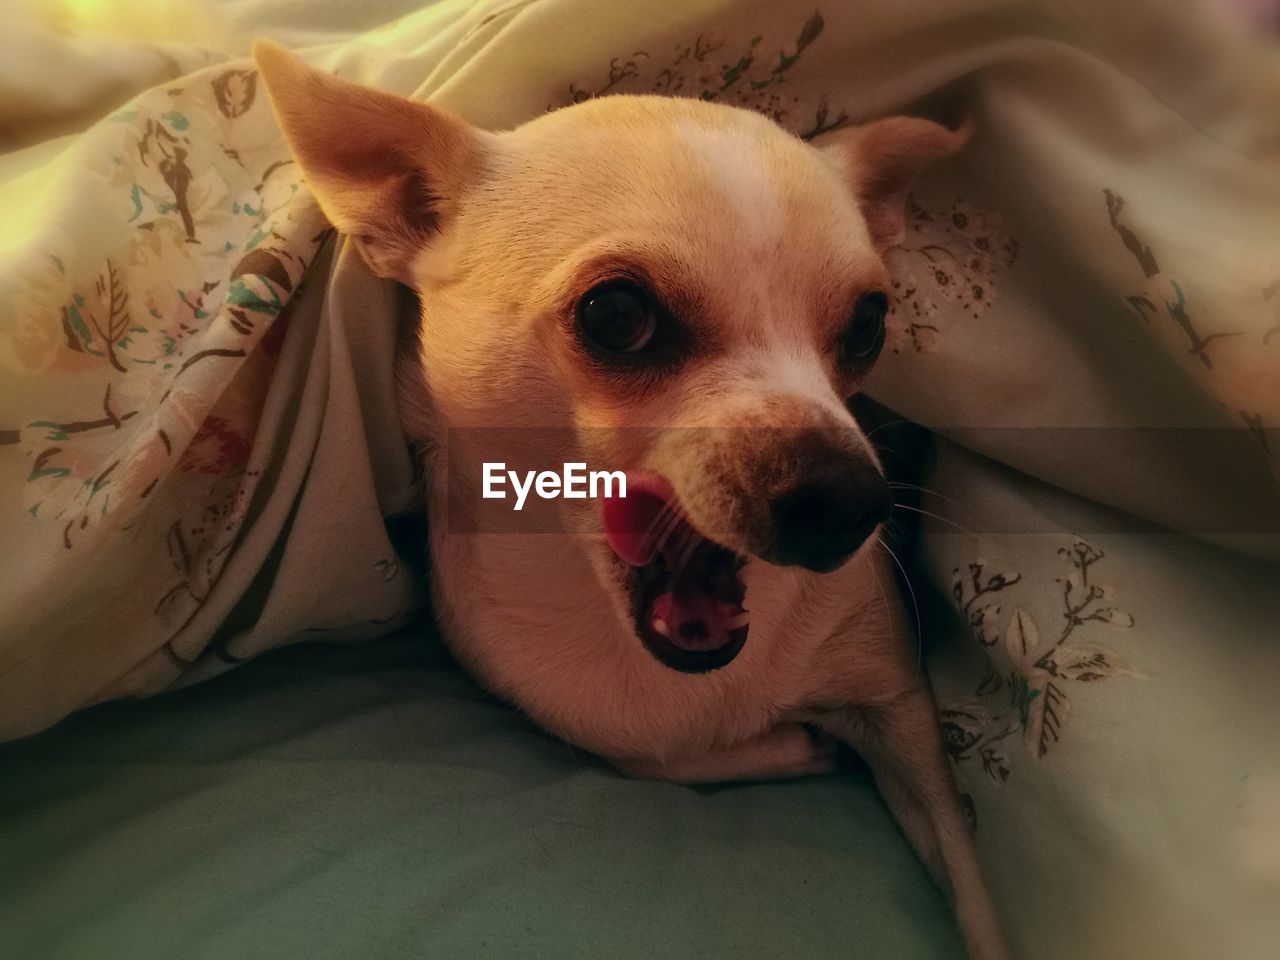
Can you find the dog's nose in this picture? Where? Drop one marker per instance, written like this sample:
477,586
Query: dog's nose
823,518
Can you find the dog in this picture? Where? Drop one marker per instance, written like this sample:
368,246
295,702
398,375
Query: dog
686,292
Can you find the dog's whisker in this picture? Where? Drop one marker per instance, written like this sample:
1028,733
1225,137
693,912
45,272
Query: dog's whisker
896,526
665,521
664,516
884,596
896,531
884,599
692,541
899,485
927,513
679,545
666,526
881,426
915,606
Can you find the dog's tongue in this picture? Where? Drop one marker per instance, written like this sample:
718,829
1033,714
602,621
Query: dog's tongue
690,584
634,525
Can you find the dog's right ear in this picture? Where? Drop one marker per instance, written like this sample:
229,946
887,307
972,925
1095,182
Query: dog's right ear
385,170
881,160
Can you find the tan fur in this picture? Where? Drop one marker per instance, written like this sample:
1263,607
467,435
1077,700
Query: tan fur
761,243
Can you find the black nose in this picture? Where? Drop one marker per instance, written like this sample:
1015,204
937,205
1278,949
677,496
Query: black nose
830,511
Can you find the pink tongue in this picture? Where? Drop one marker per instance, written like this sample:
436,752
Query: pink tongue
632,524
641,524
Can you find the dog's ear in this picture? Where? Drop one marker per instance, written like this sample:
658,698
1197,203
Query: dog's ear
881,160
385,170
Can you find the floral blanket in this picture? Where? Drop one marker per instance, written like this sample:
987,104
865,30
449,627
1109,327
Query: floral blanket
200,458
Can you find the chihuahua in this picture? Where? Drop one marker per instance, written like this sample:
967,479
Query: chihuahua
688,293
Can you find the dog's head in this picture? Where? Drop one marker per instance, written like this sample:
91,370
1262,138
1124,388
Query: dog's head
689,289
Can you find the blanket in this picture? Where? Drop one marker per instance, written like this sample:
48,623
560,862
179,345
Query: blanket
201,460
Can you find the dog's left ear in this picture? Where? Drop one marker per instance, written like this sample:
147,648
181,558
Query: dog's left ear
387,171
881,160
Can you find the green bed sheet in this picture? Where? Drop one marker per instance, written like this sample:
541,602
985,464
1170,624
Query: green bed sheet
360,803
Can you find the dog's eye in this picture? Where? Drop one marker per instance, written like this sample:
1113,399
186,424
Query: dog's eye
864,336
618,317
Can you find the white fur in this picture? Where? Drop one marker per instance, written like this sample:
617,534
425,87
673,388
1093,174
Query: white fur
796,369
743,178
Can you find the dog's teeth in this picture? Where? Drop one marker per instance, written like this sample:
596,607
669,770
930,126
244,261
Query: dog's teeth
660,627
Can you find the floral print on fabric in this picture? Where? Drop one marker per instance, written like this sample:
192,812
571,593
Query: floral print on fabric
947,264
1025,689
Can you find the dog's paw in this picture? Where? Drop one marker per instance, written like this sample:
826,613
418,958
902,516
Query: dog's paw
787,750
806,750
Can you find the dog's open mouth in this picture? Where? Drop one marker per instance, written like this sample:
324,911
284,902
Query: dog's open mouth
686,591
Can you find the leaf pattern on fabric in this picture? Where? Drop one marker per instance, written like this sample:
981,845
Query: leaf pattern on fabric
750,73
1236,359
234,91
1271,296
1026,684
